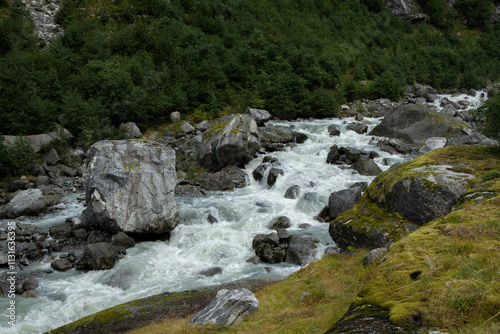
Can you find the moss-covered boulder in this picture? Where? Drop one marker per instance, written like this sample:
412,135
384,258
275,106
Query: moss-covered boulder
407,196
416,123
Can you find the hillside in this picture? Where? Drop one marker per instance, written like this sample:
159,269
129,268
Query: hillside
132,60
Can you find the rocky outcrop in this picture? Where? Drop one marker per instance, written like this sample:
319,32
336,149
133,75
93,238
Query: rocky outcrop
403,198
131,187
416,123
406,9
43,14
232,140
37,142
25,203
229,308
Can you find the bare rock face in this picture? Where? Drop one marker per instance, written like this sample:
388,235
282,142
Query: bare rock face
232,140
131,187
230,307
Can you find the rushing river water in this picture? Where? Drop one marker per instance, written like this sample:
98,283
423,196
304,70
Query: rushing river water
195,245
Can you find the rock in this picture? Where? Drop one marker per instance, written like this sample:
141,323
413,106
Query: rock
299,137
332,250
280,222
26,203
401,199
131,130
187,128
131,187
62,231
323,215
237,176
273,175
276,134
100,256
122,240
67,171
259,115
61,265
203,126
51,158
219,181
449,110
374,256
415,124
292,192
433,143
229,308
16,185
232,140
420,194
81,234
29,284
366,166
175,117
260,171
343,200
367,319
284,235
211,271
41,180
37,142
300,250
361,185
35,169
333,155
357,127
333,130
268,248
29,294
212,219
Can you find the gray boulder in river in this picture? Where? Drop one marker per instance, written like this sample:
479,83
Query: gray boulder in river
232,140
131,187
416,123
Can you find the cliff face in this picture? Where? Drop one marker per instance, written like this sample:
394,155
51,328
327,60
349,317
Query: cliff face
43,13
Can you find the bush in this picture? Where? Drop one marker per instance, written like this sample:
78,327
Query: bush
491,111
13,159
386,86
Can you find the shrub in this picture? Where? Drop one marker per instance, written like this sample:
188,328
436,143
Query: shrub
13,159
491,111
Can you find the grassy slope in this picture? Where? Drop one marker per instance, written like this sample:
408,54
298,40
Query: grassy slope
457,255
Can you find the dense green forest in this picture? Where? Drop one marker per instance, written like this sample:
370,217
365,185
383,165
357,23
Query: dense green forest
136,60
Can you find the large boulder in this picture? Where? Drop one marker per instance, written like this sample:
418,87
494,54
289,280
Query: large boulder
416,123
405,197
131,187
26,203
366,166
232,140
269,248
229,308
101,255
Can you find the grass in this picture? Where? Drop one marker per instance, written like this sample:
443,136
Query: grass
309,301
459,287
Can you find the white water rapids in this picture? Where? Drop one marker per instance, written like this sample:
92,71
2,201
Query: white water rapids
155,267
